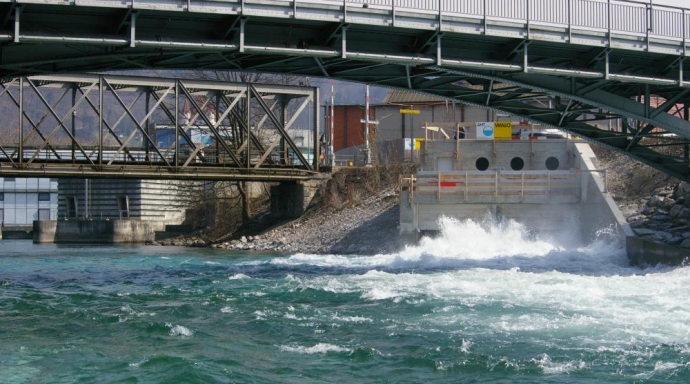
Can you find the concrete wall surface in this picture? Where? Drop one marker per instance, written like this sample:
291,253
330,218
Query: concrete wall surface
161,200
644,253
574,217
597,207
96,231
499,153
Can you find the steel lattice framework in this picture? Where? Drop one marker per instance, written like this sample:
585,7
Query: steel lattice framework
607,70
148,128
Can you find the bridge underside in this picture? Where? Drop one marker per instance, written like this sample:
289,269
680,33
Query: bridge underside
624,90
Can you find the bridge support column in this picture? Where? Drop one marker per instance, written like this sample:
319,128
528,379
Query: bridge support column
44,231
289,200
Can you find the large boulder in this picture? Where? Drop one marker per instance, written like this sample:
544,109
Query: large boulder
682,193
656,201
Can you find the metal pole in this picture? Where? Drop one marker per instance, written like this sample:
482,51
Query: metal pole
330,147
74,123
570,22
316,129
100,121
366,122
86,198
686,147
608,23
177,124
249,125
146,124
21,121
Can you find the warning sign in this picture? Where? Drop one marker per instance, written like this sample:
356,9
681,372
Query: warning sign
503,130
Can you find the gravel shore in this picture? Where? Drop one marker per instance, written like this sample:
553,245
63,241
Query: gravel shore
367,228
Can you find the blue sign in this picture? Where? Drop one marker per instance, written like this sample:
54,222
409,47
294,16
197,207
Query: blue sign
488,130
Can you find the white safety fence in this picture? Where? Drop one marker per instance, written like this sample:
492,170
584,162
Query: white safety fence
498,184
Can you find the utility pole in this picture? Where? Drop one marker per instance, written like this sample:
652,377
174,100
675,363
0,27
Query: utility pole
330,142
367,122
366,118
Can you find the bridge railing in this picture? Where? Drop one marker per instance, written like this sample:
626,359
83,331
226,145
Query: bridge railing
617,16
608,15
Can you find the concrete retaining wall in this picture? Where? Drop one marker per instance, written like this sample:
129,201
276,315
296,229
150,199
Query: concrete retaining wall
96,231
16,232
597,208
643,252
576,217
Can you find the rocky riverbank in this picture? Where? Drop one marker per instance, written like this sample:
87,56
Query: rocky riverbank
664,217
656,206
369,227
355,212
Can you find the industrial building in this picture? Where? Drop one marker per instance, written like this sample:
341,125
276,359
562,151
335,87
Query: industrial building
397,120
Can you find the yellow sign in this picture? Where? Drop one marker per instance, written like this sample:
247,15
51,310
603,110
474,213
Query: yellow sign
503,130
418,144
409,111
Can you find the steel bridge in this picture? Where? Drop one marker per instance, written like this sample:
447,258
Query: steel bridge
611,71
96,126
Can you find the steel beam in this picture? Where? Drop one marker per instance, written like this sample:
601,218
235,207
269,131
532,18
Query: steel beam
80,158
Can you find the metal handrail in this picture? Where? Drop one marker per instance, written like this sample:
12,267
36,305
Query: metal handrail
613,16
638,18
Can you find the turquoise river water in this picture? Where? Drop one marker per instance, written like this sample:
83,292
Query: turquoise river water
477,304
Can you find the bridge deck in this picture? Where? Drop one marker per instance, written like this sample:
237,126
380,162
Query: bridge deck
611,71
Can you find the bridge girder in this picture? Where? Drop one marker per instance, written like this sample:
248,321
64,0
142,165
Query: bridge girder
579,75
155,128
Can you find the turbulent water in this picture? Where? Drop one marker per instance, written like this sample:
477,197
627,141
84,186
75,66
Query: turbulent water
477,304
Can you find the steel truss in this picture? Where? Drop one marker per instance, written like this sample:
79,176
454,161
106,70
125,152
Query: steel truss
147,128
582,66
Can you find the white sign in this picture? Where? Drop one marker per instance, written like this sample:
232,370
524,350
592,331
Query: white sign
485,131
409,144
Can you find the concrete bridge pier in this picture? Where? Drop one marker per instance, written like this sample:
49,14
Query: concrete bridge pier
289,200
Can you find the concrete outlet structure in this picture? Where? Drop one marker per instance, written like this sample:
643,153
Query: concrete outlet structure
552,186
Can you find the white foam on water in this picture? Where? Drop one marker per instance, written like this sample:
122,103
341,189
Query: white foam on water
138,363
663,368
318,348
351,319
468,244
239,276
179,330
550,367
587,294
227,310
465,346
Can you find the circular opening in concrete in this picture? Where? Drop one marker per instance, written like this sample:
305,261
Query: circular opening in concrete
482,164
517,164
552,163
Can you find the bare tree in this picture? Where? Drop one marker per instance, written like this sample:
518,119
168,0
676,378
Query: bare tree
227,198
